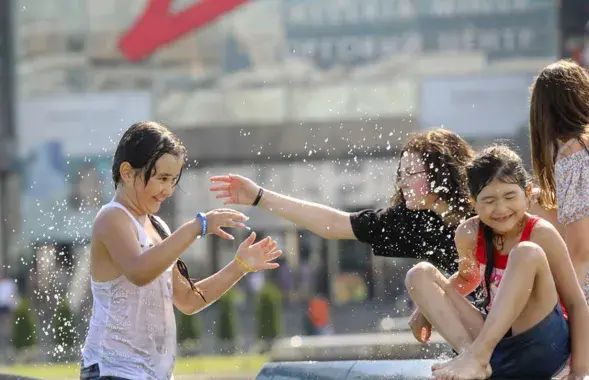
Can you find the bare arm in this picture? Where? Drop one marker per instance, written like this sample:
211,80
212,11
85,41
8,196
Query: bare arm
577,241
324,221
569,291
468,277
117,233
213,287
249,257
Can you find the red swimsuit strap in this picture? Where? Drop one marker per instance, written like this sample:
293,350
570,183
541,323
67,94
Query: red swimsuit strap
526,233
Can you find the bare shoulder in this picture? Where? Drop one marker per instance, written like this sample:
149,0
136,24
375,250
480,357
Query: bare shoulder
467,233
546,214
111,219
543,226
469,227
545,233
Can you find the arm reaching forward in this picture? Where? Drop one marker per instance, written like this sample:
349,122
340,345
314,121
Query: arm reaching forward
322,220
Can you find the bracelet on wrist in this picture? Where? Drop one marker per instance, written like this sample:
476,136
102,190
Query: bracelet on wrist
259,197
203,223
243,264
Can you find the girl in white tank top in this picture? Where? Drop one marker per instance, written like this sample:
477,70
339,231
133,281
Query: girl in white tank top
137,277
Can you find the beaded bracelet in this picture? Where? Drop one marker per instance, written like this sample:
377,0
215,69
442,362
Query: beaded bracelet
247,267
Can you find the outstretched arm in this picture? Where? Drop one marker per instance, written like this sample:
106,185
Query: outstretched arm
114,231
250,257
325,221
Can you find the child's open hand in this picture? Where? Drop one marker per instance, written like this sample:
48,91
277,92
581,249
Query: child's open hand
258,256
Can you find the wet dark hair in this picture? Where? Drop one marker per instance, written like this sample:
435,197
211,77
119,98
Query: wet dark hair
142,145
445,155
559,109
496,162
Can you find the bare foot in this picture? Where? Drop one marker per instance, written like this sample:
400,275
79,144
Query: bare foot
440,365
464,367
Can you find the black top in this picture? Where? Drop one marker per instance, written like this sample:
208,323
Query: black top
399,232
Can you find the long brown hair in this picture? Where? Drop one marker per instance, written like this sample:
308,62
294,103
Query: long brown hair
445,155
559,109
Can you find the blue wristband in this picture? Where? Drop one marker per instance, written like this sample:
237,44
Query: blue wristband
203,223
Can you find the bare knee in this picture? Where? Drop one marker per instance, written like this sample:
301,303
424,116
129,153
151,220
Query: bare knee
420,272
527,252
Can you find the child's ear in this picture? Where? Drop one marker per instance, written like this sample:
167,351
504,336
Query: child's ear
126,171
529,190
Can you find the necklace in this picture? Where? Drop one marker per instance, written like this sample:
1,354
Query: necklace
499,240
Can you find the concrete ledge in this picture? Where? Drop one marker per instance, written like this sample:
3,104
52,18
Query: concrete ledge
352,370
348,370
378,346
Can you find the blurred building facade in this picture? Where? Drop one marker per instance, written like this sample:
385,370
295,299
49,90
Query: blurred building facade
308,97
8,153
574,29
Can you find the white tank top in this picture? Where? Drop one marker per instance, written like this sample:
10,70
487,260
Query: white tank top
132,331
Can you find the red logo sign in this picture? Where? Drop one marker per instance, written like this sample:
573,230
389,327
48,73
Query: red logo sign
157,26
